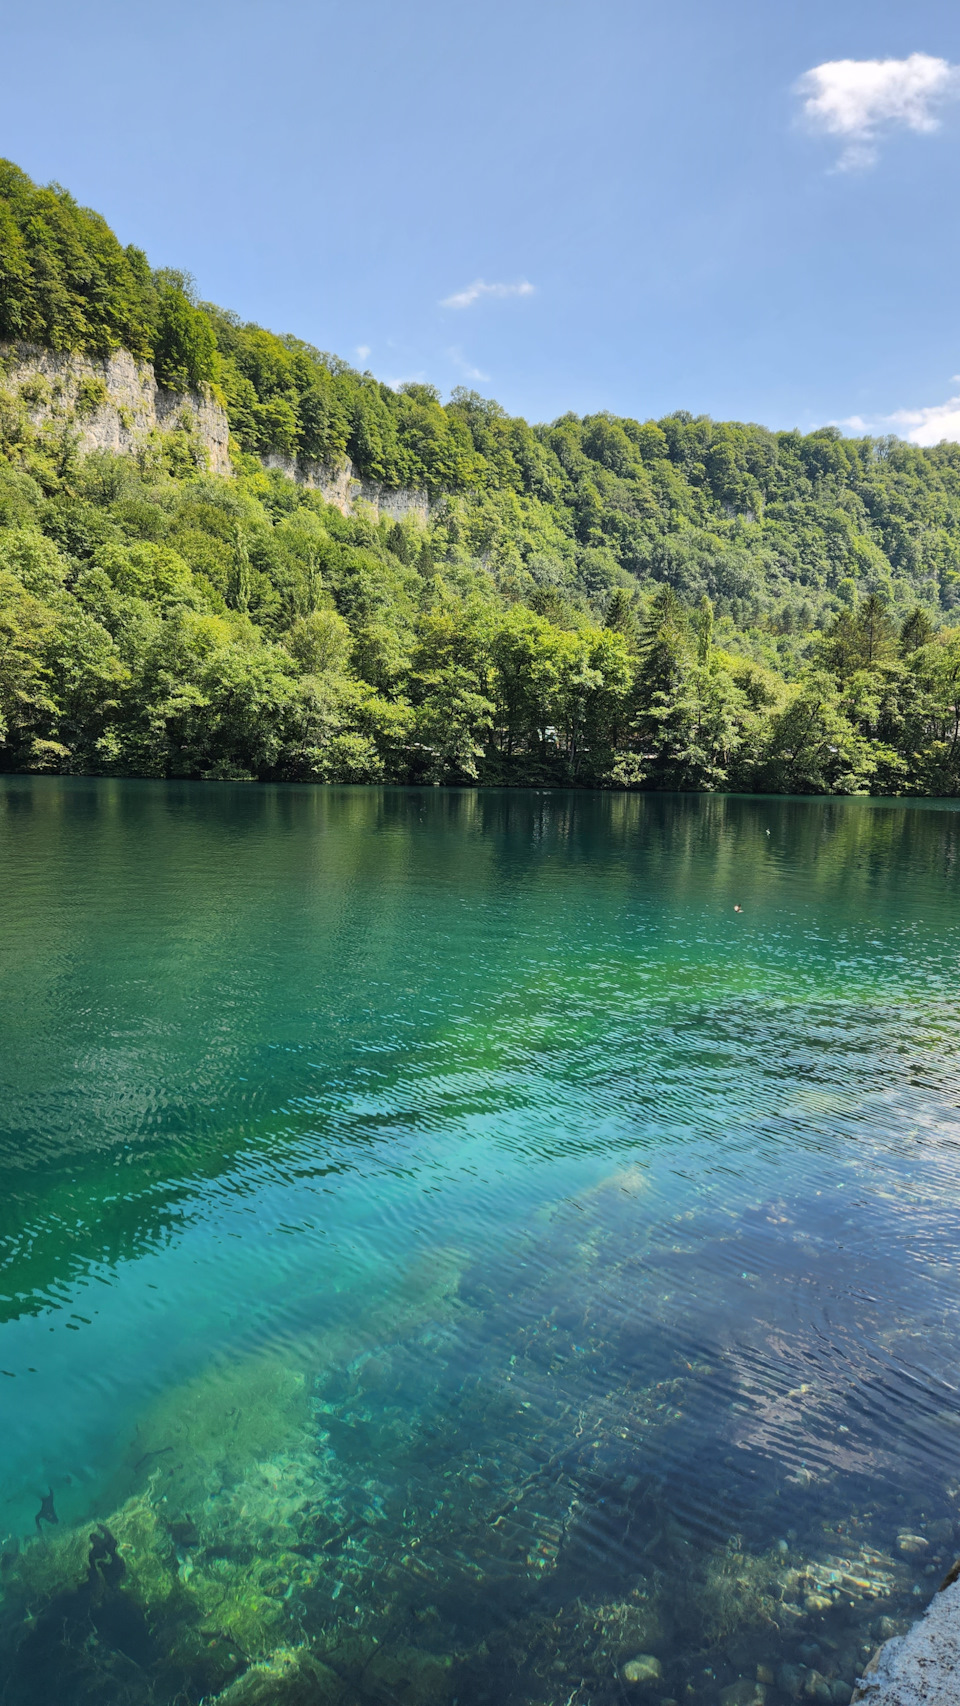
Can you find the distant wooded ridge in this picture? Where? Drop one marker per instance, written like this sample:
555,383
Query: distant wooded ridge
597,601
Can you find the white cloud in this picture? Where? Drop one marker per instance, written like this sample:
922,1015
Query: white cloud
917,426
363,350
929,426
479,288
466,368
853,99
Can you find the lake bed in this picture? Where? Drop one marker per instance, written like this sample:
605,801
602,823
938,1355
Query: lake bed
451,1255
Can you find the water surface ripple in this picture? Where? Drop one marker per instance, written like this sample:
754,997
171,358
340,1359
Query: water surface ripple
451,1256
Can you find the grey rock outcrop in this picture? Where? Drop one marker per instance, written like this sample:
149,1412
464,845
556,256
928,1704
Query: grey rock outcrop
114,403
345,488
111,402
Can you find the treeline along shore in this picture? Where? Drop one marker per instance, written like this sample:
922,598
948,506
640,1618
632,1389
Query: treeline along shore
597,602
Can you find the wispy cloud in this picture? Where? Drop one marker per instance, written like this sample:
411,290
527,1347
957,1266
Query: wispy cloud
476,291
418,378
363,350
856,99
918,426
456,355
930,425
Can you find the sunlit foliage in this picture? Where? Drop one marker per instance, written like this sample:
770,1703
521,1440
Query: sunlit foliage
599,601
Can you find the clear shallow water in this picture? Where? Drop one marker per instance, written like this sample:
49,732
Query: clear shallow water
448,1253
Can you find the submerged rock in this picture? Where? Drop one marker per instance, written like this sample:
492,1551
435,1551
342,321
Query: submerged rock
818,1602
790,1681
912,1545
743,1693
406,1676
644,1669
816,1687
289,1677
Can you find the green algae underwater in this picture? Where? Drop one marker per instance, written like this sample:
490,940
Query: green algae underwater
452,1257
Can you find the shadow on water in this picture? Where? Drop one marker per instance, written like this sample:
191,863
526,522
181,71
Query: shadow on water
451,1257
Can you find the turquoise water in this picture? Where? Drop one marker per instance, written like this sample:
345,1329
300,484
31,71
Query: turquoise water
451,1256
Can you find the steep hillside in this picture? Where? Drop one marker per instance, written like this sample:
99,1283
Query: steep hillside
673,603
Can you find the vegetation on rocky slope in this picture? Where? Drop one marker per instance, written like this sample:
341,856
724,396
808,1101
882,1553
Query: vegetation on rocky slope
601,601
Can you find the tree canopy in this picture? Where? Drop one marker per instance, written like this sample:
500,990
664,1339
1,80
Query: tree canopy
602,601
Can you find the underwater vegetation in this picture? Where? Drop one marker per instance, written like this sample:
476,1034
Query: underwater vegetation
451,1259
493,1492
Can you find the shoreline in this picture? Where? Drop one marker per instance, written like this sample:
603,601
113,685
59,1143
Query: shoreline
922,1667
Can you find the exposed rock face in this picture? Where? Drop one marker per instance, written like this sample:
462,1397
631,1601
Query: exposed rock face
921,1668
114,403
111,402
343,487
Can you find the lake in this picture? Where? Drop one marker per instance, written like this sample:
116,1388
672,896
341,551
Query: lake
452,1255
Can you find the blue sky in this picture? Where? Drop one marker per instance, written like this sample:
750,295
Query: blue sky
666,214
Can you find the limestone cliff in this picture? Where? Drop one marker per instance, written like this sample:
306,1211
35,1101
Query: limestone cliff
109,402
114,403
345,488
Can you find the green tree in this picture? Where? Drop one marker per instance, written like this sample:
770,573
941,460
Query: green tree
704,631
184,344
811,746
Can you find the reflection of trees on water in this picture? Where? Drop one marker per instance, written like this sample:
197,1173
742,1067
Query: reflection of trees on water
185,962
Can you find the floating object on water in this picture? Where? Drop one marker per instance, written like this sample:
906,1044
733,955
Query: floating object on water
738,907
46,1513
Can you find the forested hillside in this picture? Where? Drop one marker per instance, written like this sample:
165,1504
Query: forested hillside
679,603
